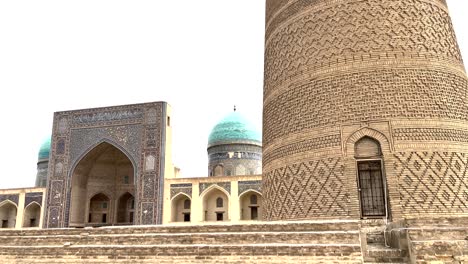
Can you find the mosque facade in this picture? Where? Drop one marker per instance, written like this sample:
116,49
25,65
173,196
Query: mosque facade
112,166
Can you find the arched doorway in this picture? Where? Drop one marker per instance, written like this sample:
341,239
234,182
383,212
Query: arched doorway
181,208
8,213
126,209
215,205
32,215
250,202
371,180
102,174
99,210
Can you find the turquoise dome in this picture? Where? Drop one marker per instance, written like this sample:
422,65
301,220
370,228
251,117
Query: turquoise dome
44,151
234,128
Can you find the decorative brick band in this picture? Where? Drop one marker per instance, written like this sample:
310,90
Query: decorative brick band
368,95
385,30
302,146
423,134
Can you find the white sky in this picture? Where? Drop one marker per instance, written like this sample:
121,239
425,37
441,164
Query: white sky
201,56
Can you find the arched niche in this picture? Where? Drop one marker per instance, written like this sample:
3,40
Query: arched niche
104,169
369,134
250,205
99,205
126,209
213,210
367,147
32,215
8,213
219,170
181,206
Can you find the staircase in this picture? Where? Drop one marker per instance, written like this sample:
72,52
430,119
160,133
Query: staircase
283,242
374,248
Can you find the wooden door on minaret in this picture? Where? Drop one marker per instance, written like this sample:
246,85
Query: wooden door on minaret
371,189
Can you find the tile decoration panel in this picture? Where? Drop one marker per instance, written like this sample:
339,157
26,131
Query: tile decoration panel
33,197
185,188
10,197
249,185
137,130
223,185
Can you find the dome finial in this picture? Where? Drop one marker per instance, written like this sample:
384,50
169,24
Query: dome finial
235,108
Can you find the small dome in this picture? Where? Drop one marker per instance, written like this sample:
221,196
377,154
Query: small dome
234,128
44,151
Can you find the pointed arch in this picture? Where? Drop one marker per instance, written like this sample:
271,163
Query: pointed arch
8,201
209,197
368,147
99,205
211,187
376,135
8,214
180,194
126,208
249,190
179,210
248,210
32,215
92,147
103,165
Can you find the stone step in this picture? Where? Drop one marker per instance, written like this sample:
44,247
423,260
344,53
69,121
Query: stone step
386,262
436,233
379,253
375,237
324,237
147,251
289,242
187,259
440,247
332,225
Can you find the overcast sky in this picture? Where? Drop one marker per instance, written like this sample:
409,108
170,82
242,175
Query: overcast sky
201,56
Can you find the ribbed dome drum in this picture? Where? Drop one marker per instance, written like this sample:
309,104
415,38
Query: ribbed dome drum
385,71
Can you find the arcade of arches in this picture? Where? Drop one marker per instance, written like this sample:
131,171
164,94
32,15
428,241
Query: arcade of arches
21,208
216,205
102,188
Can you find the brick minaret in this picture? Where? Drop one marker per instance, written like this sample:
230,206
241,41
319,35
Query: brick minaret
365,110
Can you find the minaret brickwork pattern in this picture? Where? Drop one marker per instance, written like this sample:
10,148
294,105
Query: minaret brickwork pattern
339,70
